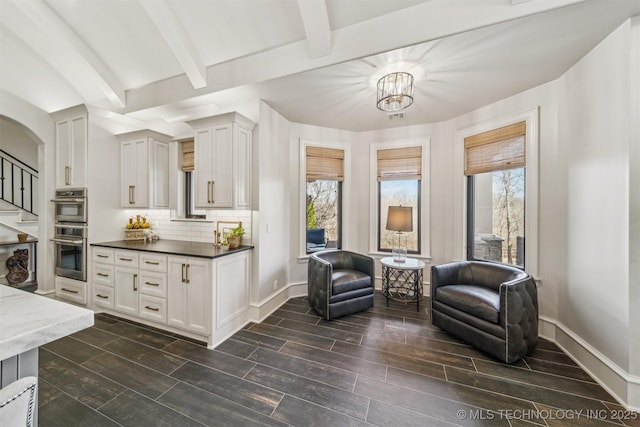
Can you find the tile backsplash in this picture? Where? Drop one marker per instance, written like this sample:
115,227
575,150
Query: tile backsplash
195,231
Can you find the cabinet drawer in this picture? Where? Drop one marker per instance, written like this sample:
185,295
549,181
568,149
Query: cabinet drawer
154,284
103,275
103,297
71,290
153,308
103,255
126,259
150,262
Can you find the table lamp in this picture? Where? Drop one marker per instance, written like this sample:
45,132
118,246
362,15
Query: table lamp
400,218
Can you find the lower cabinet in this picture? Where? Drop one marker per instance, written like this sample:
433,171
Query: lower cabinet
207,299
126,290
189,293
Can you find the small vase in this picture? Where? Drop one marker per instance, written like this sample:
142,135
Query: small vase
234,242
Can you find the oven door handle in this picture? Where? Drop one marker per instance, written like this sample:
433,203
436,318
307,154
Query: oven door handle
68,201
68,241
67,225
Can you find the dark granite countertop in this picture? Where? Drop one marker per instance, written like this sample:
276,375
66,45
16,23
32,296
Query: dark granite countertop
174,247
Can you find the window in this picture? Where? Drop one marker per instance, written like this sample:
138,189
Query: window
495,166
324,177
399,178
187,149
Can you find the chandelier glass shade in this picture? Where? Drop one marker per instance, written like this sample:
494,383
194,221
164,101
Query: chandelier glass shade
395,92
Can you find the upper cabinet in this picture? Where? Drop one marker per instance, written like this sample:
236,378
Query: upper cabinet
71,148
222,152
144,170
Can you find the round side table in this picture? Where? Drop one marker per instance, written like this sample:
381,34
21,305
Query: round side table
402,281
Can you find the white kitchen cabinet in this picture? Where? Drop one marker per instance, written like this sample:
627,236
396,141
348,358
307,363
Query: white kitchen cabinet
189,294
126,290
71,151
222,152
144,170
71,290
214,167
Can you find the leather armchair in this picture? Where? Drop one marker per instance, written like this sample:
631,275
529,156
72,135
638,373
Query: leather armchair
340,283
493,307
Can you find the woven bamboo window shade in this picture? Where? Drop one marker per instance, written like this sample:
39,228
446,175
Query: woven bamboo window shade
187,155
400,163
325,164
498,149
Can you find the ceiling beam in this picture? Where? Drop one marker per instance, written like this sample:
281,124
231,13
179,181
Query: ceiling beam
423,22
51,38
178,40
315,19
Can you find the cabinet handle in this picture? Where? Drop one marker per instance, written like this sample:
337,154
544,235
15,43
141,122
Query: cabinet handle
132,194
72,291
126,259
135,282
102,256
67,175
152,284
152,262
208,191
212,183
183,268
151,308
103,275
187,281
102,296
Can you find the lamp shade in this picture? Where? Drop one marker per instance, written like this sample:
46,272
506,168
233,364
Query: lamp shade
395,92
400,218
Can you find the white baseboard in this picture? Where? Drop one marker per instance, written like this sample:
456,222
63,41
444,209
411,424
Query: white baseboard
263,309
624,387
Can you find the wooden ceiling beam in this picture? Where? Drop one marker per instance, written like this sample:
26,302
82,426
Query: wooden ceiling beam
178,40
315,19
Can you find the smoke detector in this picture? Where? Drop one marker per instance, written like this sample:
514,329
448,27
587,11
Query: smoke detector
396,116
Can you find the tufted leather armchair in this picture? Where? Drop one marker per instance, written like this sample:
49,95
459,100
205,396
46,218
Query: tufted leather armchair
493,307
340,283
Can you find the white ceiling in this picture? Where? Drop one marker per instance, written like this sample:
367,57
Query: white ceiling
156,63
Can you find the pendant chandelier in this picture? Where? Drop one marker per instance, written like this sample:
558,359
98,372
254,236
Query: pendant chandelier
395,92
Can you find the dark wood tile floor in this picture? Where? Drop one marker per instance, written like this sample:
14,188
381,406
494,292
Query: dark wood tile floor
383,367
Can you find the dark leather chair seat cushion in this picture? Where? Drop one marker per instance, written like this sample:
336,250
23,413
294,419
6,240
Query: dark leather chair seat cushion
345,280
476,300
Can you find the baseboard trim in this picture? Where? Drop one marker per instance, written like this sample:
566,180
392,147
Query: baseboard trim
624,387
262,309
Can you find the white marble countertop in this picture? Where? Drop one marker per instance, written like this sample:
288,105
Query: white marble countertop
28,321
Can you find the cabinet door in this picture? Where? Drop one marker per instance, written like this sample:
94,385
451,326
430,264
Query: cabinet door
203,173
134,190
177,293
63,153
78,155
214,167
188,299
71,152
126,287
222,182
242,164
159,174
198,296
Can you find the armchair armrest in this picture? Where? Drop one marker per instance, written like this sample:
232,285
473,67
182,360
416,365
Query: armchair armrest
319,282
363,263
445,274
519,315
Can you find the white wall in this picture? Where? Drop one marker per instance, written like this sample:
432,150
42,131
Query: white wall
595,116
20,144
41,128
272,224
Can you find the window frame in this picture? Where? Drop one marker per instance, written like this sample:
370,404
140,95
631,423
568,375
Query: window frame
532,173
418,225
423,196
344,206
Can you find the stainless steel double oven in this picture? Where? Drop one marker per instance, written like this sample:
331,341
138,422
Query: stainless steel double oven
70,237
